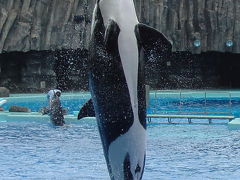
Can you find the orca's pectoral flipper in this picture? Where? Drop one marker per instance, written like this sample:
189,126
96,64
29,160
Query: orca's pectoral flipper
87,110
153,41
111,36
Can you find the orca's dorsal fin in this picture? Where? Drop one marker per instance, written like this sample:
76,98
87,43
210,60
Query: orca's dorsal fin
153,41
111,35
87,110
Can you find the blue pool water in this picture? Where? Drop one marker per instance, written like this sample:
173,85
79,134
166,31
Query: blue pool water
162,102
72,102
37,150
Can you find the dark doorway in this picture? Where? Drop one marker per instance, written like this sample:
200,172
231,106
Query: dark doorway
184,70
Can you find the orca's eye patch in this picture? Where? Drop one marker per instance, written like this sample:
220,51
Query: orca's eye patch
58,94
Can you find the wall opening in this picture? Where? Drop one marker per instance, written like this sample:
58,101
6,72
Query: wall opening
39,71
184,70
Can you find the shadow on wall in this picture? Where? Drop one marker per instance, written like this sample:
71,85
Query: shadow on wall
39,71
70,67
184,70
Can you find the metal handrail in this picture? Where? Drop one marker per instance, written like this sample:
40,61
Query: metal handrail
191,91
192,112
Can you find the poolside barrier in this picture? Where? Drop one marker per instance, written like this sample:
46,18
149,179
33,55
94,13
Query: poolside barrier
182,97
189,117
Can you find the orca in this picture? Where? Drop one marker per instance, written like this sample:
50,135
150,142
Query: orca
119,47
86,110
55,110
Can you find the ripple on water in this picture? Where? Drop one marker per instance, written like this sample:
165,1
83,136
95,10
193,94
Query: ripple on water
38,150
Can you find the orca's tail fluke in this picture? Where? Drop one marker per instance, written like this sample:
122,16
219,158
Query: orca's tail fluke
87,110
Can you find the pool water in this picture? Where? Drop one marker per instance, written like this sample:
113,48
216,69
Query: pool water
40,151
70,101
192,152
37,150
159,102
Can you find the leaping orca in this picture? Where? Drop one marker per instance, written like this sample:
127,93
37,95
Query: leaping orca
118,48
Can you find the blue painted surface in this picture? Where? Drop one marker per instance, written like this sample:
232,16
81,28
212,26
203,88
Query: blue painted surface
163,103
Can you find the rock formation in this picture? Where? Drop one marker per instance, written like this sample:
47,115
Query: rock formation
213,22
44,24
65,24
4,92
19,109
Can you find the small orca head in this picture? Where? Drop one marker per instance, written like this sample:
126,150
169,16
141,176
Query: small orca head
55,108
53,96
